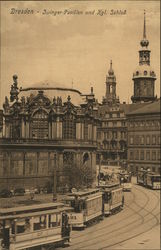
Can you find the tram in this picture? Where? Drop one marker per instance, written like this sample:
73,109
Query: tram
141,176
28,227
87,207
113,198
153,180
125,181
148,179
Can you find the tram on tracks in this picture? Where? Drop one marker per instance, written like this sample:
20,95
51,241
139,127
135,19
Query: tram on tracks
125,181
87,207
27,227
148,179
113,198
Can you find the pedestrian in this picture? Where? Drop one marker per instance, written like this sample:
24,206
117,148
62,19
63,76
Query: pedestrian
32,194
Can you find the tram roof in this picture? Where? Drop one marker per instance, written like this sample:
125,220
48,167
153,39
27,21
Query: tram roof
21,209
109,185
85,192
154,174
37,213
109,188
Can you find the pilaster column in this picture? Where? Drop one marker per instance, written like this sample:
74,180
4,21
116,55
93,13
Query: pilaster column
7,130
60,129
78,131
50,132
27,129
82,131
22,128
53,130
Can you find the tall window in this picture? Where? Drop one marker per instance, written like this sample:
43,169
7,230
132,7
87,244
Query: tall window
137,139
153,155
39,125
86,130
142,155
131,140
153,139
137,155
68,159
131,155
142,140
147,155
15,128
114,135
147,140
69,126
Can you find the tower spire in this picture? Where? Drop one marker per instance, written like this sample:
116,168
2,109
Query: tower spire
144,31
111,72
111,65
144,42
144,77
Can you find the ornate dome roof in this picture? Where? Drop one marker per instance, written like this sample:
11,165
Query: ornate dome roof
144,71
144,42
52,90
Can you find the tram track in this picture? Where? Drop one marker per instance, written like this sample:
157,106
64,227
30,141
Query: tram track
132,237
125,217
142,217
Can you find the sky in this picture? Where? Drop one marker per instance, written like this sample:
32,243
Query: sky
74,50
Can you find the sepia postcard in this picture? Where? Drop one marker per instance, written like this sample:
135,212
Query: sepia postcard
80,164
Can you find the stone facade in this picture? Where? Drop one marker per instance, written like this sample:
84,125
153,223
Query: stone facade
43,134
144,138
113,131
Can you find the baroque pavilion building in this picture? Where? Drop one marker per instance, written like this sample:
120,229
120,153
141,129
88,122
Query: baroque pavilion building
48,131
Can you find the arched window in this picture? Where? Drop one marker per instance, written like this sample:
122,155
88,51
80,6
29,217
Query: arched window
39,125
85,158
69,126
15,128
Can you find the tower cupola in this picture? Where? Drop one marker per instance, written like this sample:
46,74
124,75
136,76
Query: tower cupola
144,76
110,97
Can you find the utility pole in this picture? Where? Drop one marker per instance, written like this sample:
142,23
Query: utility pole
55,179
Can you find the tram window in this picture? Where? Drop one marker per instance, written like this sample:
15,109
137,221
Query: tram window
20,229
107,196
23,226
52,220
73,204
78,206
39,223
156,178
27,225
12,228
84,205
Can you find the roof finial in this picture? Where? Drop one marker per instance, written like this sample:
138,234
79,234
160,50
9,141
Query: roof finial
111,72
111,65
144,31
